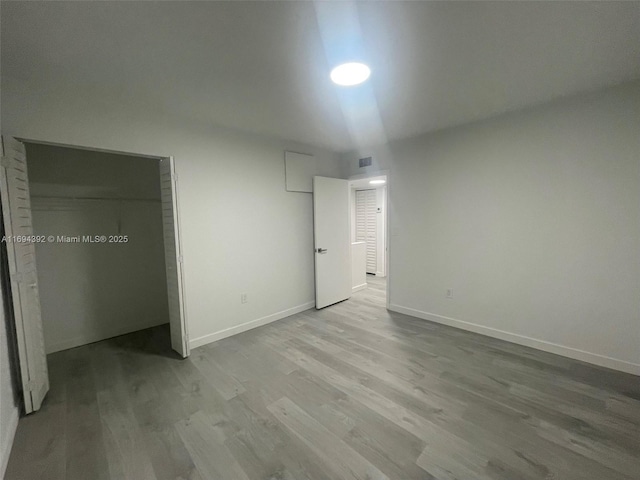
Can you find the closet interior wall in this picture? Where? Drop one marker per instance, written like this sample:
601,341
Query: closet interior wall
92,291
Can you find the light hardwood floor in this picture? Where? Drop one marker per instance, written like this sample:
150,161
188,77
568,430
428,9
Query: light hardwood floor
349,392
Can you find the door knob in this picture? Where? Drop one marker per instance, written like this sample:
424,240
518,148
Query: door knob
321,250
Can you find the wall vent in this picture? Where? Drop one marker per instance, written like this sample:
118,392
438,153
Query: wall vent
365,162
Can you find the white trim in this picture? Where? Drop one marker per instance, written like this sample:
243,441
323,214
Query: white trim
357,288
99,336
387,242
91,149
184,324
10,432
228,332
577,354
373,173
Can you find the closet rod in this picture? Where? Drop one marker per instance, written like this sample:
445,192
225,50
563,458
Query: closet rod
98,198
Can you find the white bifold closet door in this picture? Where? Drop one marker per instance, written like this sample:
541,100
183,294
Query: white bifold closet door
173,257
366,225
21,255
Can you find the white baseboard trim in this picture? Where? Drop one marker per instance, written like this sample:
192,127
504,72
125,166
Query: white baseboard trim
7,442
594,358
228,332
97,336
357,288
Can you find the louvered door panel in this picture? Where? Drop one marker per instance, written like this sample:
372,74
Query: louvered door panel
173,258
361,216
366,225
16,210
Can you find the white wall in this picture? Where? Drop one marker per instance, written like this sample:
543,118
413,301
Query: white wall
8,400
89,291
242,232
358,266
532,218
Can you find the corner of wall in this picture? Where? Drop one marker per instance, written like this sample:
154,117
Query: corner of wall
8,433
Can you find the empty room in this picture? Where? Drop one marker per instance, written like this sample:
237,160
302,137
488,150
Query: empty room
320,240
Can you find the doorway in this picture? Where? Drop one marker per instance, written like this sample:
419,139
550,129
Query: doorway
108,250
89,290
369,220
350,238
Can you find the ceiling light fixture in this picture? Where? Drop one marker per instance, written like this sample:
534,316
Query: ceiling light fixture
377,182
349,74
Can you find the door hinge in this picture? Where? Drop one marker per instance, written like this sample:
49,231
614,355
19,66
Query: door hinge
179,258
31,386
174,177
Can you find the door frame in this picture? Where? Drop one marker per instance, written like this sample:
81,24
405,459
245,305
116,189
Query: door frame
177,216
387,226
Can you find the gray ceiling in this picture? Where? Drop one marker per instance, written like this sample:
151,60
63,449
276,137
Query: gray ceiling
264,67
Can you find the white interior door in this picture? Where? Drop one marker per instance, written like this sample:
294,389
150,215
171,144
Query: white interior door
332,242
18,228
367,225
173,257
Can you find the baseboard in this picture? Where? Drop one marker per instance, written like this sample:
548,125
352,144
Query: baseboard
570,352
228,332
98,336
358,288
10,432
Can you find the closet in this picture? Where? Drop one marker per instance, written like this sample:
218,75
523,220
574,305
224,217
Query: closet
90,291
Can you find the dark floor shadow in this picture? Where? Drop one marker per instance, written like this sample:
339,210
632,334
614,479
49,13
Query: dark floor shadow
155,341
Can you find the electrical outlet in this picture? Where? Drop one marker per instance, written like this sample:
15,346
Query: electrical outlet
449,293
243,298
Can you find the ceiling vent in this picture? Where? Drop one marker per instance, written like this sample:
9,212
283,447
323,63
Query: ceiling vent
364,162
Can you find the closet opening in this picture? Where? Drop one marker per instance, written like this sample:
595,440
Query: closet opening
109,262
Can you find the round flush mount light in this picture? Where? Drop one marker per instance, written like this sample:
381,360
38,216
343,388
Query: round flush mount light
377,182
349,74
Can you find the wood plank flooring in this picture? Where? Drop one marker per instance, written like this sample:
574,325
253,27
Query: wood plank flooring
349,392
